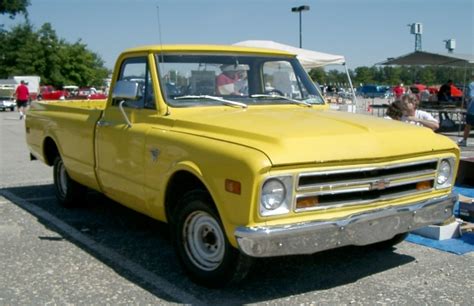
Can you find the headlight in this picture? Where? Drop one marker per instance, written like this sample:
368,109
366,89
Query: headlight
276,195
445,173
273,194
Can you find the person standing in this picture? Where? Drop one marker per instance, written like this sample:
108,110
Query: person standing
22,96
398,91
469,115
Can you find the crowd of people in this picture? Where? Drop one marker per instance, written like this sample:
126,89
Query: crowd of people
405,108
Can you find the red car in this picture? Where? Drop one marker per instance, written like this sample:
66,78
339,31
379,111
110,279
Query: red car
89,93
48,92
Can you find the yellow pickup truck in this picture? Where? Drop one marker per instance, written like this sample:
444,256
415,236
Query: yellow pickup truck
236,149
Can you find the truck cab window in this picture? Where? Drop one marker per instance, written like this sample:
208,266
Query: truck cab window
136,70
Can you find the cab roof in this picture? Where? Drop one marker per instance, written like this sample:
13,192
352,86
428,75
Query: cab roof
207,48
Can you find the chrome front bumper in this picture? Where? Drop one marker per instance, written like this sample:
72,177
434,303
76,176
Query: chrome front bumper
361,229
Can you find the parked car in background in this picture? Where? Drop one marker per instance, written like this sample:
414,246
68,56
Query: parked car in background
374,91
48,92
7,100
89,93
71,90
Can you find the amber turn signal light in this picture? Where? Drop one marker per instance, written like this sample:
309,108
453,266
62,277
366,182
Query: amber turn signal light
424,185
232,186
307,202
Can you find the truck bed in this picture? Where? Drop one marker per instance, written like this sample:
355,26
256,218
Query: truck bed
75,137
84,104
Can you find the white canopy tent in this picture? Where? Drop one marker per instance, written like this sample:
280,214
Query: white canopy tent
308,58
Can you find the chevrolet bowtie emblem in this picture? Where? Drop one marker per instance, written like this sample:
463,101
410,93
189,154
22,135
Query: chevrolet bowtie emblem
379,184
154,154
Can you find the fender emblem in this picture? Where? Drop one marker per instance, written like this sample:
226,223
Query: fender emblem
154,154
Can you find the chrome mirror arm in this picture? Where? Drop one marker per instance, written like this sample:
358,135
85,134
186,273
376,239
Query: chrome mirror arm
129,124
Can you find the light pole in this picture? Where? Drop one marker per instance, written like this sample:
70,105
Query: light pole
300,9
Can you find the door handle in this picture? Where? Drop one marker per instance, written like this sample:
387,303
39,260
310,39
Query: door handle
103,123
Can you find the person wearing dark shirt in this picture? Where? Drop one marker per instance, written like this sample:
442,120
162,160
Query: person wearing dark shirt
444,93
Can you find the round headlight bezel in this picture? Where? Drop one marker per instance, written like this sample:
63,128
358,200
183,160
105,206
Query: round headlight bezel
273,194
445,173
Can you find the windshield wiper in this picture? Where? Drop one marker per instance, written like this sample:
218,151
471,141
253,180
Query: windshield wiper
281,97
224,101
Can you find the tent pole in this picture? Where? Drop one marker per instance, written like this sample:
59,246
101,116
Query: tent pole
354,99
463,97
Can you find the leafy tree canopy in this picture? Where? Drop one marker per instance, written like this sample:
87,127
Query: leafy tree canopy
13,7
25,51
390,75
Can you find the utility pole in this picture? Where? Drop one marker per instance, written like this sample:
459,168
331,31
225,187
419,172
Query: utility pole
299,9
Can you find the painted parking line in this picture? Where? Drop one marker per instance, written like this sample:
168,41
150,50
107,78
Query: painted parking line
40,199
157,282
35,183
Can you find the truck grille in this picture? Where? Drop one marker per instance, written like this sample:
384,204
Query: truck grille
365,185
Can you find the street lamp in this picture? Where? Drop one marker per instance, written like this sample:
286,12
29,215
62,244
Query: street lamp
300,9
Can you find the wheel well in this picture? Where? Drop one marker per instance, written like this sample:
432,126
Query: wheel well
50,150
180,183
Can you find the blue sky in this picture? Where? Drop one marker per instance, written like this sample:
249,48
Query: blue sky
364,31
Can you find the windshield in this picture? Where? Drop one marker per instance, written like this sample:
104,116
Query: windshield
196,80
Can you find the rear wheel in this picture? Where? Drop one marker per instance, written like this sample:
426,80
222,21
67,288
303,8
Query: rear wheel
68,192
202,245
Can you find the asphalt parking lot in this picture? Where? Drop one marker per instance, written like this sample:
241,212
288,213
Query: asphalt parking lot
103,253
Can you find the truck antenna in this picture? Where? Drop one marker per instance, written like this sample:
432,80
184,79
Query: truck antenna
159,26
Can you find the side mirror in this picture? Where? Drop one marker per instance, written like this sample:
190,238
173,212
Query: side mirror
126,90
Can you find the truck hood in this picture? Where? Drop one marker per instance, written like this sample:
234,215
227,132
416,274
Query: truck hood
308,135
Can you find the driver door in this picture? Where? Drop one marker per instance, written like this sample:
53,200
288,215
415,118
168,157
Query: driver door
120,146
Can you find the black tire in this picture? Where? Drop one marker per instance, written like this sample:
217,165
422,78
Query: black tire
68,192
12,109
202,246
388,244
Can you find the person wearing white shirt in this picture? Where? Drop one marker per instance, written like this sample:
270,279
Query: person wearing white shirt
415,116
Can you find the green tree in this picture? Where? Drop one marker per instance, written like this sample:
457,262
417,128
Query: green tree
25,51
14,7
81,66
19,49
50,66
318,75
363,75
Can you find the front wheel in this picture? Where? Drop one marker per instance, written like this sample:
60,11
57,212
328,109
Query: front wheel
202,245
68,192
